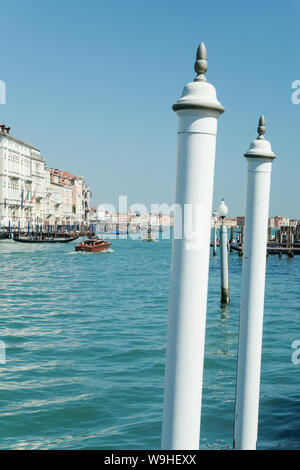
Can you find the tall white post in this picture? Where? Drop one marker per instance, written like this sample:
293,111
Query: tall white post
198,110
259,159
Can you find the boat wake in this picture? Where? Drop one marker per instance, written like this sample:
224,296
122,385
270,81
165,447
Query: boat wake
109,250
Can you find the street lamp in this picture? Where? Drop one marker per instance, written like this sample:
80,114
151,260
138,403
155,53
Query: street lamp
223,211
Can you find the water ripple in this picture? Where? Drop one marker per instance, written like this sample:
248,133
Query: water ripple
86,336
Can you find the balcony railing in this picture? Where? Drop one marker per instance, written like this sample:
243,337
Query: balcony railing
57,201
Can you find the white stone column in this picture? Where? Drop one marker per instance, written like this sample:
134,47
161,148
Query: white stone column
259,161
198,110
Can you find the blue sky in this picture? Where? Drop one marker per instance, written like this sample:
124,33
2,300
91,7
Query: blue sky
92,84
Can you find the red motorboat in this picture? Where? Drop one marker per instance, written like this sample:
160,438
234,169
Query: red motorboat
93,245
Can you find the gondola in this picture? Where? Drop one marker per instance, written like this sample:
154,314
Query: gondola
44,240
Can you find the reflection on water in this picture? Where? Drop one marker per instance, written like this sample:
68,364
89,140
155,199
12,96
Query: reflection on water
224,311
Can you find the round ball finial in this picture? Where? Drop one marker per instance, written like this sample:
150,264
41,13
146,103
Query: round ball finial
261,127
201,65
223,209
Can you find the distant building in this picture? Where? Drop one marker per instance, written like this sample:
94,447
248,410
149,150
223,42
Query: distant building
240,220
230,221
122,218
294,222
70,198
93,216
271,222
107,220
281,221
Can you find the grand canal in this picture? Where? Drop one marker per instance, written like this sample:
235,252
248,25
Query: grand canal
85,338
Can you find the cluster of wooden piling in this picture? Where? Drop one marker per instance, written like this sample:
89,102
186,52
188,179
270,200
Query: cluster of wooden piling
285,241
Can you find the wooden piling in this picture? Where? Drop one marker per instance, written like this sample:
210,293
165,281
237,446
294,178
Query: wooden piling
231,238
242,234
269,233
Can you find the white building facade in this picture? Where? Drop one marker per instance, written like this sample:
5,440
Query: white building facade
23,192
70,199
31,194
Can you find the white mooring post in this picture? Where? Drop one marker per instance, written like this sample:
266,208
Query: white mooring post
215,220
225,298
198,110
259,160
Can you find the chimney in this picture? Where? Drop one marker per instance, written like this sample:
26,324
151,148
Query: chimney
4,129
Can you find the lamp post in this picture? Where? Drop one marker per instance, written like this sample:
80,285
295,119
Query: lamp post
215,220
225,298
198,111
259,162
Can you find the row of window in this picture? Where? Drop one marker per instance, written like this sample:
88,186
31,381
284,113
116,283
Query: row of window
26,161
9,143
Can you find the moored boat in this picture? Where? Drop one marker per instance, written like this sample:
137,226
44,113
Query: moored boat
44,239
95,245
149,237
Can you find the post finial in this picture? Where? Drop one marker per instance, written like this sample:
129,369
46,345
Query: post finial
260,147
261,127
201,65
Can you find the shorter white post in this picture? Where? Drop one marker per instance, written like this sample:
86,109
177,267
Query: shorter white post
215,220
222,211
259,158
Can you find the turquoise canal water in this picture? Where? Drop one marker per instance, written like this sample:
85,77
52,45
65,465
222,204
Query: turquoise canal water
85,339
